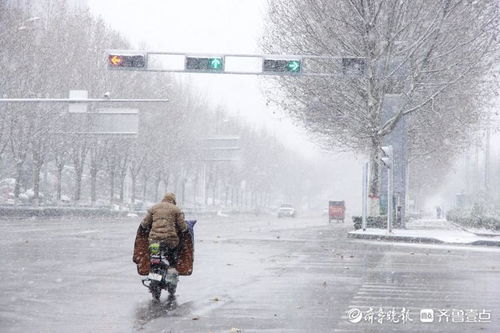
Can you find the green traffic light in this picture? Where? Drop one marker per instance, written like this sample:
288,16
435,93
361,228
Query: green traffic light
215,63
293,66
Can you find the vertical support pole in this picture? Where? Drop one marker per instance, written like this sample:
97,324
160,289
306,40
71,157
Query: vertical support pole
365,195
390,192
487,164
407,196
204,183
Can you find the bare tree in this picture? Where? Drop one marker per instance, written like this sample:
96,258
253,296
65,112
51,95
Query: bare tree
418,48
60,148
98,150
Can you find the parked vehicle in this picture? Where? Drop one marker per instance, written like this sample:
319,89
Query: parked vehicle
286,210
336,211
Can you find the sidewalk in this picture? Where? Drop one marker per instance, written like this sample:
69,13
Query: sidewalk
429,231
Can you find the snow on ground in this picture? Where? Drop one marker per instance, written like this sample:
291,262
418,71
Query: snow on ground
441,230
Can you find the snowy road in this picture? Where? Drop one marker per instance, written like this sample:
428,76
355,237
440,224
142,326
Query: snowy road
255,274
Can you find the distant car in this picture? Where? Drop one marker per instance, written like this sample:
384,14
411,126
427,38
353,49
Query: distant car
286,210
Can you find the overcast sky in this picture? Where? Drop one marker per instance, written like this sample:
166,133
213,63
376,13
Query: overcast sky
219,26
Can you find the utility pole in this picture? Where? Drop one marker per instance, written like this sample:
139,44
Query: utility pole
487,162
365,195
388,161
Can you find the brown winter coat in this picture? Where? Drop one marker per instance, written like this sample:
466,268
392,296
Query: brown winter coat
141,253
165,221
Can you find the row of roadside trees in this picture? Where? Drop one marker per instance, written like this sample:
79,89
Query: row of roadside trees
44,148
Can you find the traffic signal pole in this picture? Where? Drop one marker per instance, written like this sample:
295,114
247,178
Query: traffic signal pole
390,193
388,161
365,195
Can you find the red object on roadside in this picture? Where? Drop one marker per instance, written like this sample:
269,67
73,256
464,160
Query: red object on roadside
336,211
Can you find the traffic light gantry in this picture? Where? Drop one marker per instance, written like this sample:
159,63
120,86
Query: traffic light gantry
346,67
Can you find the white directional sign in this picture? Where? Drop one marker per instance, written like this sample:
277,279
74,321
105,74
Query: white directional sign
116,121
221,148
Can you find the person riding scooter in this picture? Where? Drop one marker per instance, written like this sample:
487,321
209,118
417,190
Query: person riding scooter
164,223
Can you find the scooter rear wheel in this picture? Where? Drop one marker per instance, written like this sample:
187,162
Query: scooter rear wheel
155,289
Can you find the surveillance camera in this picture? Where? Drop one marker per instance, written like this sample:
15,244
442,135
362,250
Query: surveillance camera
107,94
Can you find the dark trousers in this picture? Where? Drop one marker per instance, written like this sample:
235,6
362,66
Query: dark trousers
170,253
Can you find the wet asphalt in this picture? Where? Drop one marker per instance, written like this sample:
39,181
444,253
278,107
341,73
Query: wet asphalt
251,274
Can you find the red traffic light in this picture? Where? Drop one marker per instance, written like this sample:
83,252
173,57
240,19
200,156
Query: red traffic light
129,61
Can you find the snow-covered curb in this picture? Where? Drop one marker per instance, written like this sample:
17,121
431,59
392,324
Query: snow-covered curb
478,232
425,236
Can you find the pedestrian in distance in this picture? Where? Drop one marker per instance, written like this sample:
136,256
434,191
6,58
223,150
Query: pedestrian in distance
438,212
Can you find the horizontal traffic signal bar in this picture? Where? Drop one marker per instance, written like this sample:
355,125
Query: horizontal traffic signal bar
296,65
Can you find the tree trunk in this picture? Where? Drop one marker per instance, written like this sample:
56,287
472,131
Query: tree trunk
166,180
232,196
145,179
122,188
37,168
195,189
19,171
176,186
226,195
133,189
111,188
93,181
59,182
206,193
78,184
157,185
183,189
214,192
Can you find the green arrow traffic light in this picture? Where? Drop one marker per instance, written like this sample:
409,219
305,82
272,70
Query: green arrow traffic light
215,63
293,66
204,64
271,66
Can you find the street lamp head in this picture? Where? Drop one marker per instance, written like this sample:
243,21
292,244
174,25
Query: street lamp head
32,19
29,20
